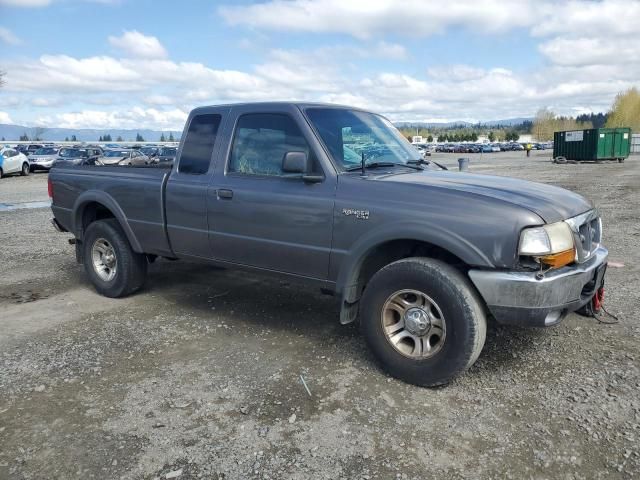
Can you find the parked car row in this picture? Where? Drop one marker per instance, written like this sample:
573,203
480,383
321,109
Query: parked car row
426,149
24,159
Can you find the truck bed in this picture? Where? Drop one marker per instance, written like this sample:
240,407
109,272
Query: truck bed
133,193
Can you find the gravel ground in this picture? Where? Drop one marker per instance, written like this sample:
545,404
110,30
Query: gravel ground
199,375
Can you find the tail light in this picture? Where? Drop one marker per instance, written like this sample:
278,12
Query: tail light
50,188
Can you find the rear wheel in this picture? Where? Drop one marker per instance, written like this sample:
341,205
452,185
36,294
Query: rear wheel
423,320
25,169
111,264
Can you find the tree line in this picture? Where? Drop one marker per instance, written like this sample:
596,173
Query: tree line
624,112
37,137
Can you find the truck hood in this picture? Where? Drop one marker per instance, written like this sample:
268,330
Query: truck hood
552,204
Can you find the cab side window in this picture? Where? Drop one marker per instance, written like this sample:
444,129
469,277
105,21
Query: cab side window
261,141
198,145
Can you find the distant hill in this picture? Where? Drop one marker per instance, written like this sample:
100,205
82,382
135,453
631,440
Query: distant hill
491,123
13,132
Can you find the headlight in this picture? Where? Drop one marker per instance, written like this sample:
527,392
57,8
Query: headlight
550,244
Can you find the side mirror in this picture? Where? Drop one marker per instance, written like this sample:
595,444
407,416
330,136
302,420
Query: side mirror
296,162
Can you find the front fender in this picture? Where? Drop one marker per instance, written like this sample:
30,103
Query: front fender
423,231
107,201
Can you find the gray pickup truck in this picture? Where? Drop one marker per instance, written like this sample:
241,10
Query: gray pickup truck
335,196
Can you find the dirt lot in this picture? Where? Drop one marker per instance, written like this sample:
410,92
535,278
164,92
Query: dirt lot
199,374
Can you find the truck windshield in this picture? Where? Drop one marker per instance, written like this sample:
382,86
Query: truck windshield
348,134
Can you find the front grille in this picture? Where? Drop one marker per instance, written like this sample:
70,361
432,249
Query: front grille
587,230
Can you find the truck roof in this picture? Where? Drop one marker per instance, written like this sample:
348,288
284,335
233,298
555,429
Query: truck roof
299,104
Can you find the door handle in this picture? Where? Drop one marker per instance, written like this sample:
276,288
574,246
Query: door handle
225,193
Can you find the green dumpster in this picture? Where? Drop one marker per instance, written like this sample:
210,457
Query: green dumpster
594,144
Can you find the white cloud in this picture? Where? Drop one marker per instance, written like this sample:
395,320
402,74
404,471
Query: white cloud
145,88
136,117
137,45
8,37
390,50
592,51
9,101
25,3
579,17
375,17
159,100
170,89
45,3
46,102
5,118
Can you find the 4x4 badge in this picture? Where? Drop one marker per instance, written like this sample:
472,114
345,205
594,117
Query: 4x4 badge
361,214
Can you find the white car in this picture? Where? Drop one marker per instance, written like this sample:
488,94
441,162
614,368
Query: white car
12,161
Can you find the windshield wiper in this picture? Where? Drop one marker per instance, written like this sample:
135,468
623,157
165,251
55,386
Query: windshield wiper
382,165
422,161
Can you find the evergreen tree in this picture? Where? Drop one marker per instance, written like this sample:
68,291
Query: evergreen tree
119,139
100,139
66,139
139,138
73,138
171,137
162,139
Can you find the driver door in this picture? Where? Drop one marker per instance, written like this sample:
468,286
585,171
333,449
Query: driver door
262,217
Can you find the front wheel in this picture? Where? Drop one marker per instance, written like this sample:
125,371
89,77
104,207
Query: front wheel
111,264
25,169
423,320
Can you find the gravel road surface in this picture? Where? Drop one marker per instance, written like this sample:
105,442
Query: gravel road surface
200,374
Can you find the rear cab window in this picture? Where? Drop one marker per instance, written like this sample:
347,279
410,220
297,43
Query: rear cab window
197,150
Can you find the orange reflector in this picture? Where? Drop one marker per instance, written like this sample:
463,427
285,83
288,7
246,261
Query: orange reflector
560,259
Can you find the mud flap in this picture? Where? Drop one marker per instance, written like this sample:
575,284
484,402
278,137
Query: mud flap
78,245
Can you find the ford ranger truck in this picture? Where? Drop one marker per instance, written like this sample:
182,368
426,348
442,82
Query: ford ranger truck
336,197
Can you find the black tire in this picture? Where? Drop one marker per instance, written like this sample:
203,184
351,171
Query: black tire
461,307
25,169
131,267
1,173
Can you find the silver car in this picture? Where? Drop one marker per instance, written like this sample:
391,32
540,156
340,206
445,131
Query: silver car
43,158
124,157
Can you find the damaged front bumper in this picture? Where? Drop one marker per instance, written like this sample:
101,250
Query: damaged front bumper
526,299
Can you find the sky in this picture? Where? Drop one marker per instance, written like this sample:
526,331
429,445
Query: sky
146,63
